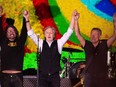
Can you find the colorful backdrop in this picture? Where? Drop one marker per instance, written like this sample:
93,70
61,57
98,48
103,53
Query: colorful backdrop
57,13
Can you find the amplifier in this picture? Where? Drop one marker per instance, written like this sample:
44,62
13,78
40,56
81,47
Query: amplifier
31,81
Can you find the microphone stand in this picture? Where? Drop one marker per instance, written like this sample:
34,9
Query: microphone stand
38,57
68,65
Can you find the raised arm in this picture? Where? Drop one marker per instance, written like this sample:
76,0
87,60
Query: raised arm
1,24
113,37
66,35
26,16
1,30
1,10
25,26
30,32
77,30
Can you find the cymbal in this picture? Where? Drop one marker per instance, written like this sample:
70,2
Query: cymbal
71,50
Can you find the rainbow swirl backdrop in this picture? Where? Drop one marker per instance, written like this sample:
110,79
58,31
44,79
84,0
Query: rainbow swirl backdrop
57,13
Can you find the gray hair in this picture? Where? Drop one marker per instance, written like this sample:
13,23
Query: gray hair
51,28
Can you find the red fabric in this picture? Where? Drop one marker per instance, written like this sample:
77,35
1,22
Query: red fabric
4,24
43,12
45,16
26,50
113,2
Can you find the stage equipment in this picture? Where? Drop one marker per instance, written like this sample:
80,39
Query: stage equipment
66,61
76,74
111,65
31,81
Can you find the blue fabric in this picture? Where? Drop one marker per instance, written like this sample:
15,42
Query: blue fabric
106,6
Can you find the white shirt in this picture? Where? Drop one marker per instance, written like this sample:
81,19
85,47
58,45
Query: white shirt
60,42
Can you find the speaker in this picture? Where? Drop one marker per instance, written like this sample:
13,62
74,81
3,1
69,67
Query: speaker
31,81
65,82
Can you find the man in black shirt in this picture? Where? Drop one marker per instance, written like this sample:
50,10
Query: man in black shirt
96,56
12,53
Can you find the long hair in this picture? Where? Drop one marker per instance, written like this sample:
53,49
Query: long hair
15,29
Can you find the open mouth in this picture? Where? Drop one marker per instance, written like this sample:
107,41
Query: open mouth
12,35
49,37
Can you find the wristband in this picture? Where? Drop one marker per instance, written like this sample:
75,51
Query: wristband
27,21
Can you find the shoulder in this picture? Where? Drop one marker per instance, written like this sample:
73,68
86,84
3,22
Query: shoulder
88,42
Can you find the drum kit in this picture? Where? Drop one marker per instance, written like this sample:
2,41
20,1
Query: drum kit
112,65
72,70
65,73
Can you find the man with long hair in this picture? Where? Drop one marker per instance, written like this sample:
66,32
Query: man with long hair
12,53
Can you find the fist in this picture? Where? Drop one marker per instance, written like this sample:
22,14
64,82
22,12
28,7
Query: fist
25,12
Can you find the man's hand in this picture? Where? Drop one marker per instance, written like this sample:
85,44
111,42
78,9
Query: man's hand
26,15
76,15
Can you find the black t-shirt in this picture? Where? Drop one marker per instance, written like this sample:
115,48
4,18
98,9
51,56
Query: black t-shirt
12,56
98,57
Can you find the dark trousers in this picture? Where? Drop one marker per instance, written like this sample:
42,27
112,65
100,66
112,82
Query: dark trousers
11,80
46,80
97,81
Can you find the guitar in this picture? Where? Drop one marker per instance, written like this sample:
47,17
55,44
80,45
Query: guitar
79,84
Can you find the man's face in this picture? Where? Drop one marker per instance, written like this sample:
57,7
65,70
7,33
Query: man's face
49,34
95,36
11,34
